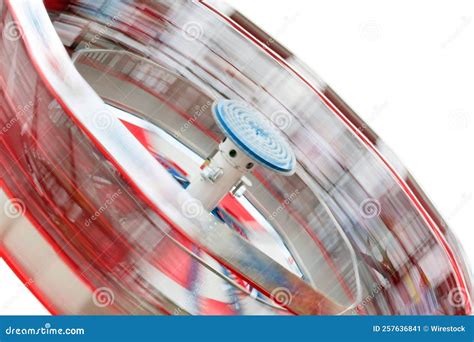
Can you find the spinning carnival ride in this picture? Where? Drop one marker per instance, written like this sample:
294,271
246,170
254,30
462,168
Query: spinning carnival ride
168,157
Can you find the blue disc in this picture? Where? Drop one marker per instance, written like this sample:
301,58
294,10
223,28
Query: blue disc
255,135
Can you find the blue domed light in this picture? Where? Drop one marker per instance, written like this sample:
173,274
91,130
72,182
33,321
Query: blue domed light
255,135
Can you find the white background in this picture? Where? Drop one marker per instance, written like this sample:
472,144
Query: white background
406,67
